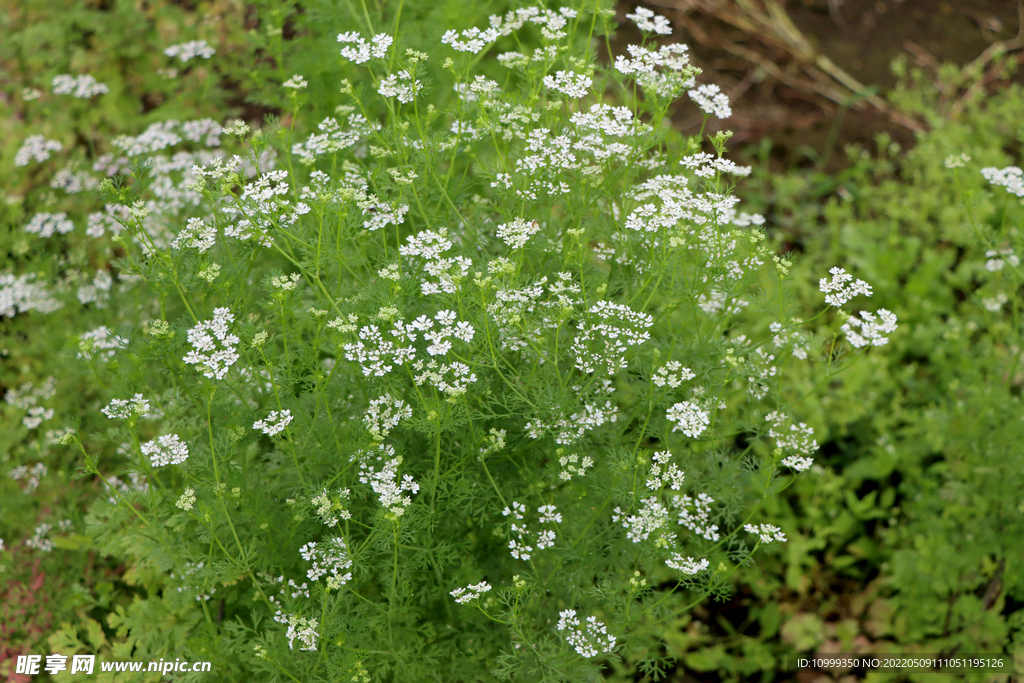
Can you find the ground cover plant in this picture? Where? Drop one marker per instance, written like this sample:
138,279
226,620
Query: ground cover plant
464,366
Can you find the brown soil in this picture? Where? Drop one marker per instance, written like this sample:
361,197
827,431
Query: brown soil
803,72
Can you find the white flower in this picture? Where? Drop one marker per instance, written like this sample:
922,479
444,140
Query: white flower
83,87
842,287
213,348
766,532
124,409
384,414
1011,177
589,640
295,82
568,83
997,259
712,101
35,148
689,418
517,233
166,450
687,565
470,592
359,51
330,559
870,331
274,423
193,48
305,630
196,235
400,85
187,499
646,20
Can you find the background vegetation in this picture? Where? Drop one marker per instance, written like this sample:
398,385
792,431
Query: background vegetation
906,535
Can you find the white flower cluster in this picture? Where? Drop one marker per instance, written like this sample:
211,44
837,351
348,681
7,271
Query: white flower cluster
475,40
687,565
191,49
19,294
1011,177
168,449
264,209
517,233
672,374
543,539
213,347
379,213
689,418
36,416
384,414
706,165
870,330
793,338
126,409
601,346
767,533
274,423
196,234
712,101
334,138
359,51
697,518
83,87
589,640
331,559
384,482
570,428
448,272
296,82
330,511
494,441
39,540
401,85
31,475
73,182
664,72
664,473
994,304
301,628
35,148
651,517
571,84
999,258
470,592
842,287
571,469
796,443
187,499
648,21
27,396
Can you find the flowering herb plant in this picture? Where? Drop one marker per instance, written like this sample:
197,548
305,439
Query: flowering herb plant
471,377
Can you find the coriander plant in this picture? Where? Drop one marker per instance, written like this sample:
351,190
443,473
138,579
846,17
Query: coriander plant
469,378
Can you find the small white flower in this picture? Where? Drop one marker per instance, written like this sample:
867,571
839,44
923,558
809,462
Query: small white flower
274,423
187,499
690,419
193,48
712,101
842,287
470,592
166,450
767,533
124,409
648,21
295,82
870,331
